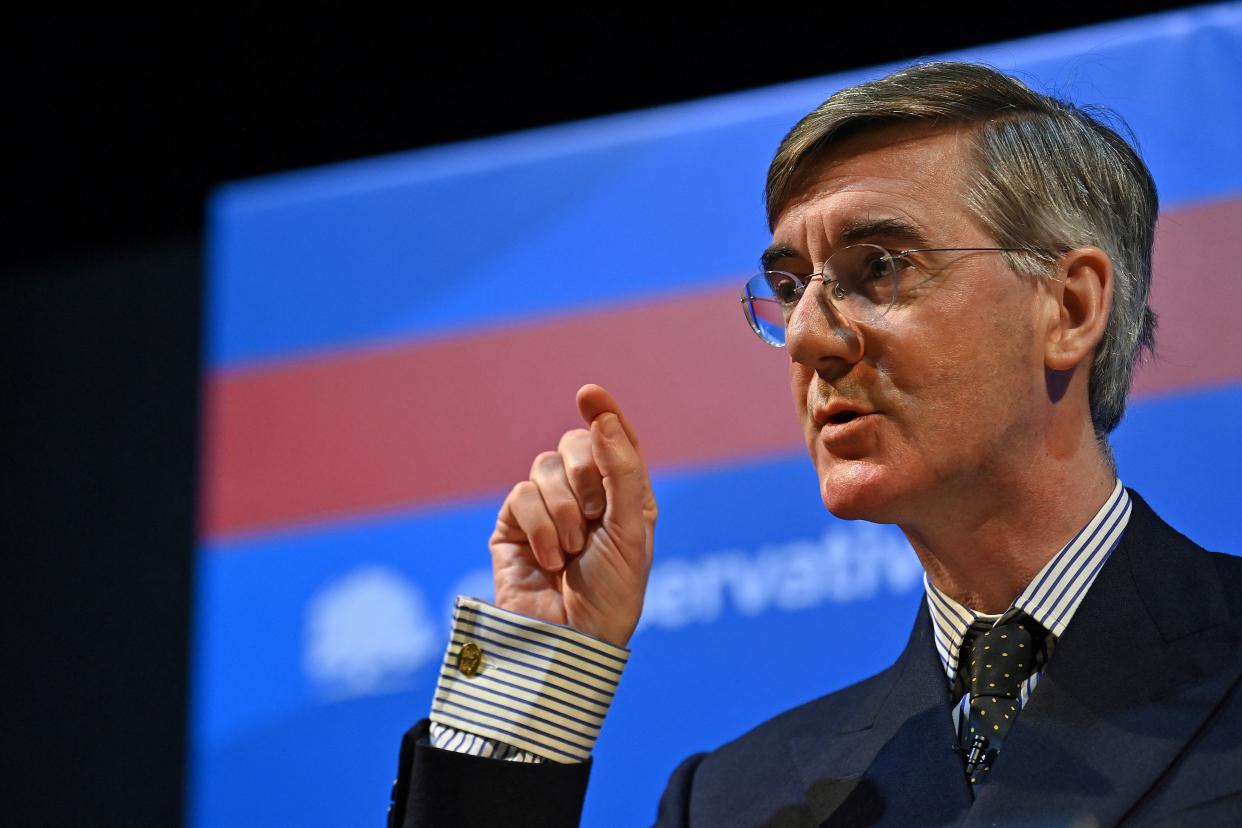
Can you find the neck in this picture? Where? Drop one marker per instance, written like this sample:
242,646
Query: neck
984,547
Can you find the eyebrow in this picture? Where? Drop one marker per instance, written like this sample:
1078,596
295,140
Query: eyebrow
774,254
890,229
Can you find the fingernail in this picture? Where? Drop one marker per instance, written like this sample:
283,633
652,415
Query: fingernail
576,541
594,507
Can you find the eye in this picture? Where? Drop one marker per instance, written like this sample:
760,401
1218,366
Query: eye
785,287
876,267
864,275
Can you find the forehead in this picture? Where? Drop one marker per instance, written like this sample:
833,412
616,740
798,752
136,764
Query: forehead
883,180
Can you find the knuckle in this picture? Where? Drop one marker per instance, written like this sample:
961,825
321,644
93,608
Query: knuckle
544,463
580,468
573,438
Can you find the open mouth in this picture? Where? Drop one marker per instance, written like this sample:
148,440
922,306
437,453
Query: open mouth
843,417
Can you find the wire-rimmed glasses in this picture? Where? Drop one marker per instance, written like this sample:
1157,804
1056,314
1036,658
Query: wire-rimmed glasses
862,281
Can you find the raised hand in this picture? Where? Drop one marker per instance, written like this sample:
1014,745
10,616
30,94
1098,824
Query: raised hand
573,543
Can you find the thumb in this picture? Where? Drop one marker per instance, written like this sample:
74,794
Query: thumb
594,400
626,487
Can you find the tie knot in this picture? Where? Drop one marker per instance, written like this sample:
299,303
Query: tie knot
1001,658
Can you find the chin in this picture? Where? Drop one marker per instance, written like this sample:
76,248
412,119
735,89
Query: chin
860,490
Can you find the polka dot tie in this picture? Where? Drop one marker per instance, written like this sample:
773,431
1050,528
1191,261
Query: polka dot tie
999,660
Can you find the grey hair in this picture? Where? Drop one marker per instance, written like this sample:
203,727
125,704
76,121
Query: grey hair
1048,177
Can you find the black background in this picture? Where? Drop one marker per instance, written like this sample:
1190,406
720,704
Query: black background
118,125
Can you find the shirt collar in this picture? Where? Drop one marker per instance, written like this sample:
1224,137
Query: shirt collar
1052,596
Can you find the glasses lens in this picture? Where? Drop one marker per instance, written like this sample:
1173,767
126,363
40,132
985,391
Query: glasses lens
860,281
864,281
763,307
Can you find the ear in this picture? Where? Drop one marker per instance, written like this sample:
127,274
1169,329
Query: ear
1083,296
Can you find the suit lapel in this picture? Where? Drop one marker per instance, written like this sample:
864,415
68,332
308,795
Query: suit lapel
892,762
1147,658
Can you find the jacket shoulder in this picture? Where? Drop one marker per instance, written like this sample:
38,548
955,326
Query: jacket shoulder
754,775
841,711
1185,586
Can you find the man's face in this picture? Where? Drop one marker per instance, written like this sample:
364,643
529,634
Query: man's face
947,389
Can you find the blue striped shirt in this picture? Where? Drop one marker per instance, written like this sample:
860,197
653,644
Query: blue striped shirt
1051,598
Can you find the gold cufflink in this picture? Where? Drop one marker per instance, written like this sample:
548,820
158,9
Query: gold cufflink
470,659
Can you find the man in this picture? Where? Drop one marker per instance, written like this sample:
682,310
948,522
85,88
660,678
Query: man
959,271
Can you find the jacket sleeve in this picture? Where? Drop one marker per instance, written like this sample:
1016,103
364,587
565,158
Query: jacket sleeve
441,788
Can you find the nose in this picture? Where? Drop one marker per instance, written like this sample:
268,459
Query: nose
818,336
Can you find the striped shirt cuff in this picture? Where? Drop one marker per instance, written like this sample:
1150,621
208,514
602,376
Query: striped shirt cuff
523,685
459,741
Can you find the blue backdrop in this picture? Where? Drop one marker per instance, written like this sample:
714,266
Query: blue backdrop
322,608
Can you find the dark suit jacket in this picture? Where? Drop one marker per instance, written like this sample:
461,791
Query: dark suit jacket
1137,720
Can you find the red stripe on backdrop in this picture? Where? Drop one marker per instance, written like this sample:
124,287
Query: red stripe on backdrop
375,429
1197,294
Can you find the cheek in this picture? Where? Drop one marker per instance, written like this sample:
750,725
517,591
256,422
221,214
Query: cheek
800,379
974,378
937,379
